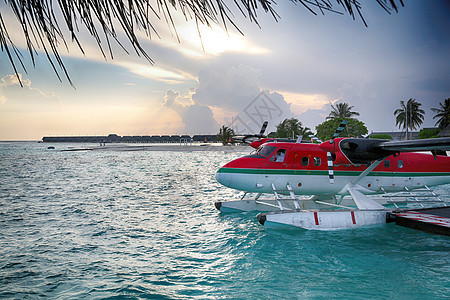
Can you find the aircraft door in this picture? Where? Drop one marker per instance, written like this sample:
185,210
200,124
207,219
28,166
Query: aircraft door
276,164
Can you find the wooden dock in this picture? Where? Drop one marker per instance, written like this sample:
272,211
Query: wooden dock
432,220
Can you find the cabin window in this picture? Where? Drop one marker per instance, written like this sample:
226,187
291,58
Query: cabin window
317,161
400,164
305,161
279,157
387,163
266,150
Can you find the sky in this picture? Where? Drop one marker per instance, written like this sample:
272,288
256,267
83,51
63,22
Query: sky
297,67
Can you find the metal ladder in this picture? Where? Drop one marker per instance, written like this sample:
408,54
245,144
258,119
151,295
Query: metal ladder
291,193
416,197
435,195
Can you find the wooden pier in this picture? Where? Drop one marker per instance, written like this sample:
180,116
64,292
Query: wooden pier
432,220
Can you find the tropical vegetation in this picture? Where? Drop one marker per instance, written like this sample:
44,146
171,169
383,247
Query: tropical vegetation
225,135
381,136
428,133
442,114
342,110
354,128
291,128
409,115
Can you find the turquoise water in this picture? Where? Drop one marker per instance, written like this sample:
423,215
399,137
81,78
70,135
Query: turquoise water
132,225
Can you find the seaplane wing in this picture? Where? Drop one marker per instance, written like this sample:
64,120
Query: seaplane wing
417,145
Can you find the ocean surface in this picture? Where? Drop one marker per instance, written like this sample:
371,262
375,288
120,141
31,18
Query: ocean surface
142,225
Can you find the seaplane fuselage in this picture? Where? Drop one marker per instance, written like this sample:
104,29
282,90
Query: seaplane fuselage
304,167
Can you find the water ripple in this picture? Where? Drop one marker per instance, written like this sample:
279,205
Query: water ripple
135,225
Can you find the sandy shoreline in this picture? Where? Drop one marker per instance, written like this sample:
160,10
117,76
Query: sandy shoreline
175,148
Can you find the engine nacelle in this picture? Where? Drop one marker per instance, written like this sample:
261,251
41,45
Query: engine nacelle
340,159
346,151
363,151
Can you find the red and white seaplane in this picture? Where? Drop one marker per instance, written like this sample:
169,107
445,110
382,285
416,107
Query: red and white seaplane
337,175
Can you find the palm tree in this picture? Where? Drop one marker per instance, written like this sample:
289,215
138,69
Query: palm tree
43,30
305,132
409,115
225,135
443,113
291,127
342,110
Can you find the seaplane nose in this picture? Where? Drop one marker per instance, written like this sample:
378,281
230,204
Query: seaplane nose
223,178
327,146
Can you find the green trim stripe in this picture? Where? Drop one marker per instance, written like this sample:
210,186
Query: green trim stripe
325,172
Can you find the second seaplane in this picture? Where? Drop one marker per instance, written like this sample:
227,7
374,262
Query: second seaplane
328,173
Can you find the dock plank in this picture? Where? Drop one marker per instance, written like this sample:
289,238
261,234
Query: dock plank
432,220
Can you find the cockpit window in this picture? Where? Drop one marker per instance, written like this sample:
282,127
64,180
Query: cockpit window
265,150
279,157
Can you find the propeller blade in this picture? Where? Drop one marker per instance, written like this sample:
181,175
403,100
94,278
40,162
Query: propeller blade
263,128
248,138
238,138
330,168
339,129
329,146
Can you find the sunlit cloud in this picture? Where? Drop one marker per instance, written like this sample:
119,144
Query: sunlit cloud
206,41
10,88
156,73
10,80
303,102
215,41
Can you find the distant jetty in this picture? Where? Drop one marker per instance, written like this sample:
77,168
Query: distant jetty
114,138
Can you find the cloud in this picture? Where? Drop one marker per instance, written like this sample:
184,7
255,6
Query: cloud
13,97
170,97
312,117
234,93
167,75
267,106
237,98
202,41
231,87
10,80
197,118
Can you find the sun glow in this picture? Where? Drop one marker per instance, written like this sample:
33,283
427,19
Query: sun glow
217,41
204,41
160,74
